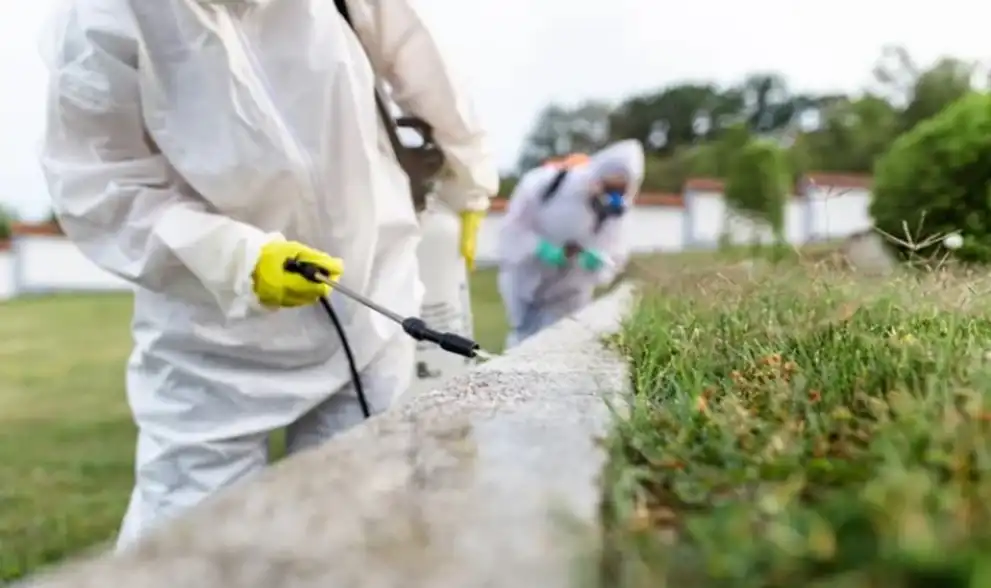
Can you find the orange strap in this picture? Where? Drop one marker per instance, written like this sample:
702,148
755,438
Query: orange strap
568,161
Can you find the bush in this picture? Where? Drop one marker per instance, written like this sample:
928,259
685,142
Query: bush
506,186
936,178
758,183
6,224
668,173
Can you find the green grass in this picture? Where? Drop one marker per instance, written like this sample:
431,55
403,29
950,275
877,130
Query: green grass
793,426
487,311
66,437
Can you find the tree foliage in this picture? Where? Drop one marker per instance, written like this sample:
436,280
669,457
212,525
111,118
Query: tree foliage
694,128
936,179
559,130
670,118
6,224
852,134
758,183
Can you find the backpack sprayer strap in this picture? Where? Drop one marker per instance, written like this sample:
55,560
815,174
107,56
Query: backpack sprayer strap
422,164
564,166
552,188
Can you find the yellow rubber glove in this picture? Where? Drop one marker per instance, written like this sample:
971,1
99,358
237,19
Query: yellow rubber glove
471,221
275,287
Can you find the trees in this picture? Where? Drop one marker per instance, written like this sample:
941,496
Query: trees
507,184
935,89
696,128
758,183
559,130
852,134
936,178
768,105
676,112
918,93
7,219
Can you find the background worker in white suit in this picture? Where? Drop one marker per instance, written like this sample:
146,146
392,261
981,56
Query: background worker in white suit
562,235
192,148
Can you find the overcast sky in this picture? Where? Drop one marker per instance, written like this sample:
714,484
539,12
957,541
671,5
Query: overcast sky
520,54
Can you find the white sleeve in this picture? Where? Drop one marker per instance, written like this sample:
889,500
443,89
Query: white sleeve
518,238
115,196
404,52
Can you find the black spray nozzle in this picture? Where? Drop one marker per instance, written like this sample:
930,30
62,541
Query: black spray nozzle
308,270
413,326
451,342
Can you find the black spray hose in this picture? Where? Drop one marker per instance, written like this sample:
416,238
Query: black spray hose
352,364
413,326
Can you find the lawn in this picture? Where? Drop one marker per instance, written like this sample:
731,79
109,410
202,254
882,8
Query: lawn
796,426
66,438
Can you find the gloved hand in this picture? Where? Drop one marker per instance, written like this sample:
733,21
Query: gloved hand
471,221
591,261
551,254
275,287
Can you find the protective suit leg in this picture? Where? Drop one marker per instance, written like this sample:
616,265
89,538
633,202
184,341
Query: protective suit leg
537,316
184,456
531,321
172,477
384,381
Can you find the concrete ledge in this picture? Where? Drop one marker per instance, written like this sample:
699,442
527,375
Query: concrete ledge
491,480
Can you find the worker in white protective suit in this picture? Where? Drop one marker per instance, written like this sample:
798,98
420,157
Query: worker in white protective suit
192,147
562,235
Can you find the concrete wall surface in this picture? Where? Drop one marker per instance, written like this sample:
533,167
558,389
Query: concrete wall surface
490,480
7,283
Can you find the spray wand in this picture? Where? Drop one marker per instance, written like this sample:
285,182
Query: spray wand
413,326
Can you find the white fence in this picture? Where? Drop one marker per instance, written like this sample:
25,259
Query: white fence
7,283
42,261
51,263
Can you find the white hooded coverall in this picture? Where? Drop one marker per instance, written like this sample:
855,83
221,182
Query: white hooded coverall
535,295
182,135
